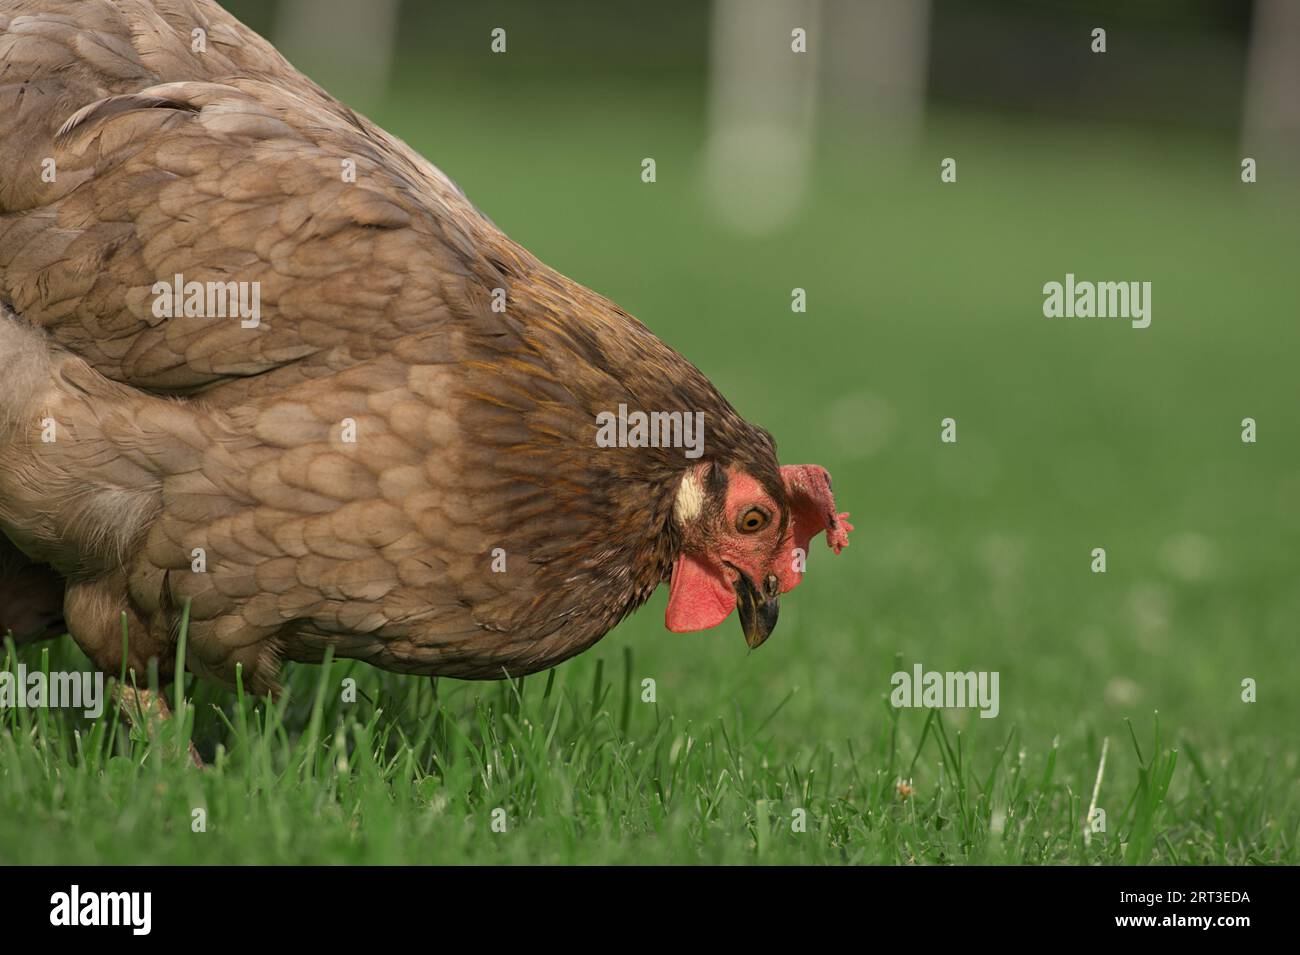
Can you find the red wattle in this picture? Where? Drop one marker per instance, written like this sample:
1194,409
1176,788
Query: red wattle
699,596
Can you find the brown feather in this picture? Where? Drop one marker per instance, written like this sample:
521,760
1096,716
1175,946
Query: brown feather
183,436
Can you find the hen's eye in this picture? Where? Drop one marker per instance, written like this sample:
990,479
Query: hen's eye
752,521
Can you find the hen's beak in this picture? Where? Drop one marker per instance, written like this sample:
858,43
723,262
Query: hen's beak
758,609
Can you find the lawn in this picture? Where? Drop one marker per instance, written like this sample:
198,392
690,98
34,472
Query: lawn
925,303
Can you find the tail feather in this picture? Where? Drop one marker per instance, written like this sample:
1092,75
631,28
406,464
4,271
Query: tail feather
76,488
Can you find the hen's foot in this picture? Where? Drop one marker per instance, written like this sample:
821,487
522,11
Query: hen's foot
148,710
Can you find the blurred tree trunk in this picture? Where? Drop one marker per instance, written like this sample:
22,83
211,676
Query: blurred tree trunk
345,46
870,55
762,105
877,63
1272,108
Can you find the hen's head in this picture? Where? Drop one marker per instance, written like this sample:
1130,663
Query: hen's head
745,532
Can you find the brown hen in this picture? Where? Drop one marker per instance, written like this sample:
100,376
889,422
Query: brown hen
400,456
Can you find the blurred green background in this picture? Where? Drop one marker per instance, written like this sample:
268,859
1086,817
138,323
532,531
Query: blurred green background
925,302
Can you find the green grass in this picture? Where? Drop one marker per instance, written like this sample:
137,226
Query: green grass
585,772
925,302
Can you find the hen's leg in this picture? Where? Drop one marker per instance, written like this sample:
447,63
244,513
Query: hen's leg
94,610
149,711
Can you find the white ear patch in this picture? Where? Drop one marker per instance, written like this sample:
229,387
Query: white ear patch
690,499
